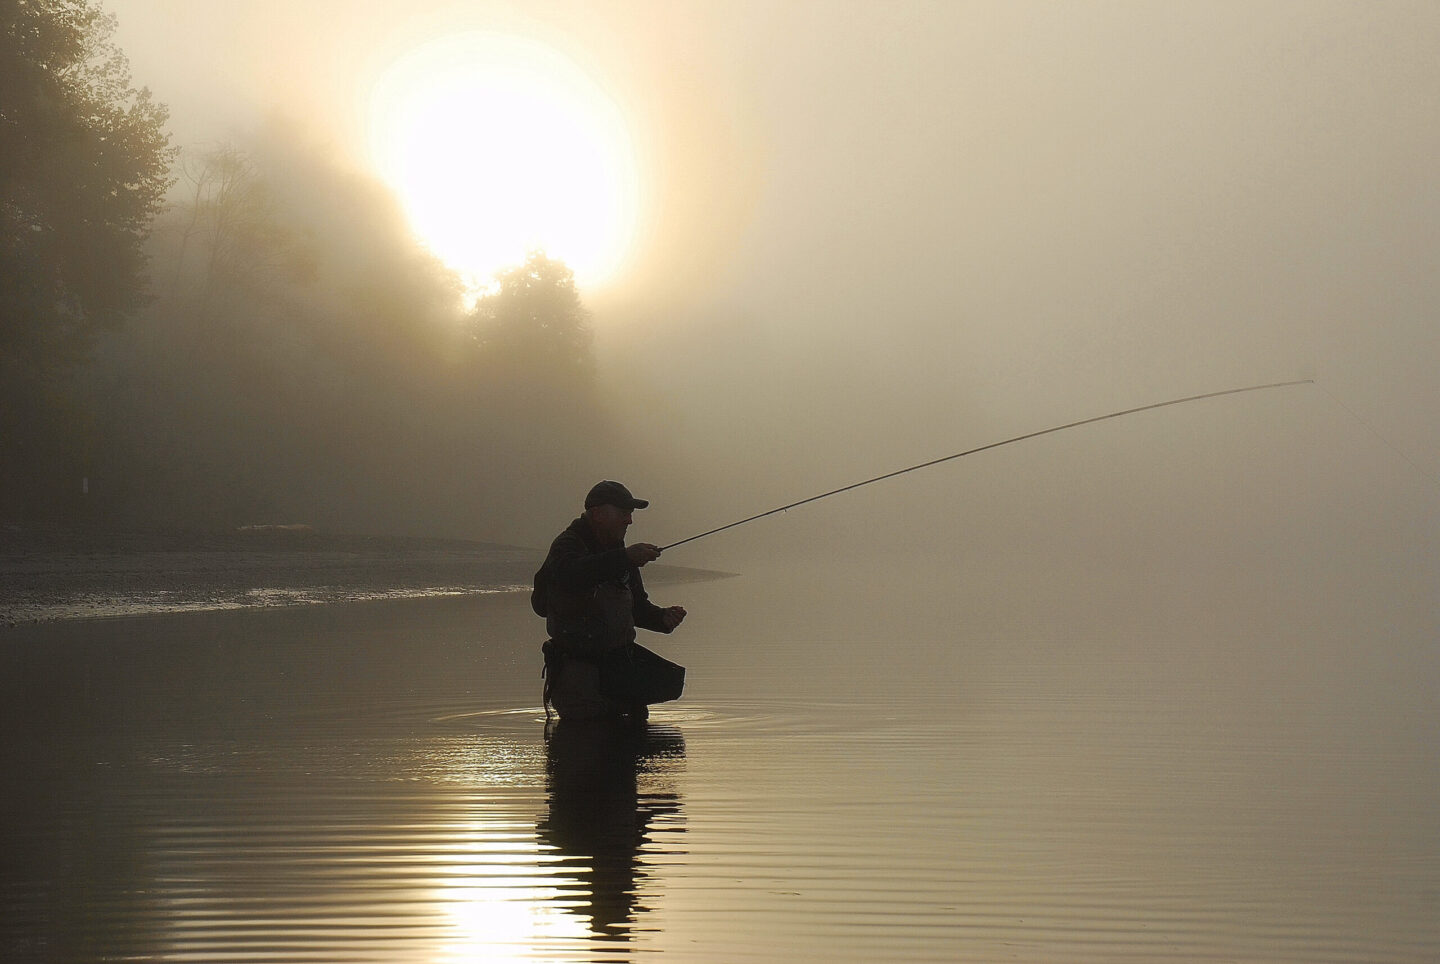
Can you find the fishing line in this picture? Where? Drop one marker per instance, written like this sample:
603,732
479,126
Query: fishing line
1376,432
992,445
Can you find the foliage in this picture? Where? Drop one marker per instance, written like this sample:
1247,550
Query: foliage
293,356
534,326
232,237
292,329
84,167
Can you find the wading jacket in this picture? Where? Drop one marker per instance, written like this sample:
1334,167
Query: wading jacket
593,597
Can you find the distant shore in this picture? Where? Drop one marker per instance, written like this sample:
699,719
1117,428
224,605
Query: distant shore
50,575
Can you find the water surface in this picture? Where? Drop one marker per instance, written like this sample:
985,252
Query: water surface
843,781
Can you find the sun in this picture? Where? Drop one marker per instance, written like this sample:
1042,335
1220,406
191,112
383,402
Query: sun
497,146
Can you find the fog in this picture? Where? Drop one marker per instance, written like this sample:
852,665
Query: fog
874,234
1158,685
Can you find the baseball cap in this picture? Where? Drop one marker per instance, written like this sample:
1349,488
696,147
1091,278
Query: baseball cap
613,493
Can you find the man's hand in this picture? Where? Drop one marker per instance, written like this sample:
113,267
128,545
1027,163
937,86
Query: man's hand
641,553
672,617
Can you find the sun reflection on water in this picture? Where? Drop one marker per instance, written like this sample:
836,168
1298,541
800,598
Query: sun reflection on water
508,890
508,909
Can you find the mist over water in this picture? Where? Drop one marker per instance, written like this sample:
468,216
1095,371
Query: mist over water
863,766
1160,688
866,237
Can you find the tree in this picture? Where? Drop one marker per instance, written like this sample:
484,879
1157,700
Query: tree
84,166
534,326
233,231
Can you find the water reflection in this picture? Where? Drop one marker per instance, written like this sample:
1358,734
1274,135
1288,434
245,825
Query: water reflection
611,791
374,784
226,795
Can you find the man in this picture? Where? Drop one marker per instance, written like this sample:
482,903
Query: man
590,592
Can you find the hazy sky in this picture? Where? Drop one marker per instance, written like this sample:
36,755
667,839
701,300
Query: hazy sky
874,233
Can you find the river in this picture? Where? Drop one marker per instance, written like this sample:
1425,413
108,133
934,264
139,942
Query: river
858,771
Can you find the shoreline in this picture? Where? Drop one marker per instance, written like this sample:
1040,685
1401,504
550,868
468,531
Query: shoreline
48,576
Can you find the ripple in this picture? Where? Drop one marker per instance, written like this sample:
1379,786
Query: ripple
717,717
504,718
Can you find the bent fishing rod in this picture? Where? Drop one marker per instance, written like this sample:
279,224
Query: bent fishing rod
992,445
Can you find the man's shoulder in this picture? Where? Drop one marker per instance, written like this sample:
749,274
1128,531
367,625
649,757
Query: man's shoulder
574,536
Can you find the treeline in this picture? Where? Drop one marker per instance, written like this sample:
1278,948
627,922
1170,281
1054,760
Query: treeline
247,334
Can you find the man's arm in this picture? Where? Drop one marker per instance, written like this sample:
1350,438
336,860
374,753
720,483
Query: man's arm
647,614
576,568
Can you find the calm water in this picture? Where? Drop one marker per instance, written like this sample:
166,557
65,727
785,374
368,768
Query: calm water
376,782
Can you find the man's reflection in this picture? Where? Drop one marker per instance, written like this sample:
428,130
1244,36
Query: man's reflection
607,785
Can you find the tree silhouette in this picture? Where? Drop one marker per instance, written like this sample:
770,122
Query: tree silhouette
231,237
84,166
533,326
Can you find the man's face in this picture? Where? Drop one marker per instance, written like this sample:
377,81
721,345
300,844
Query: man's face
610,522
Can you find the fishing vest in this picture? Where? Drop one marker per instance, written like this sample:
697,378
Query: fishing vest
598,619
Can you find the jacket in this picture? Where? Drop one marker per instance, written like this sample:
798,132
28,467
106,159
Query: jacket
592,598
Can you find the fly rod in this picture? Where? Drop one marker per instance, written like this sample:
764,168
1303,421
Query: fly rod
992,445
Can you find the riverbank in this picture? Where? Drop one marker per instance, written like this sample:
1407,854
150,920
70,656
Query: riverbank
50,575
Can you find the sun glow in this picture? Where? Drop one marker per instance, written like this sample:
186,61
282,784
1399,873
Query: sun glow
497,146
